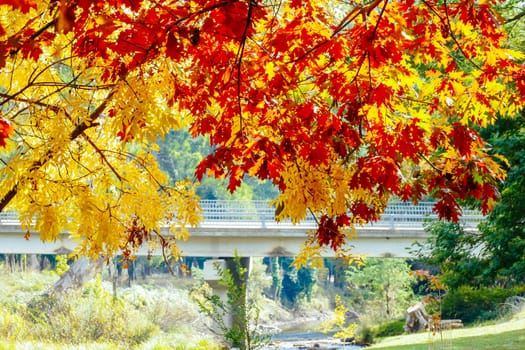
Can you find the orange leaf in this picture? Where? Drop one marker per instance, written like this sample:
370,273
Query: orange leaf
66,18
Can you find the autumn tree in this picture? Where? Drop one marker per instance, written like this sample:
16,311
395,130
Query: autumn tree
495,255
342,105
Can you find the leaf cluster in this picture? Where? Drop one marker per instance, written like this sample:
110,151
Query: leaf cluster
342,106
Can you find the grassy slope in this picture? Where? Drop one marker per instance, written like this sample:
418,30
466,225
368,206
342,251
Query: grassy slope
508,335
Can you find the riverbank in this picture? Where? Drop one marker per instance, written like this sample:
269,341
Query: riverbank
509,335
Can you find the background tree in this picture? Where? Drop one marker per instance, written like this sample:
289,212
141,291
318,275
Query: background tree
327,100
382,288
179,155
496,255
277,277
457,254
288,284
503,233
235,316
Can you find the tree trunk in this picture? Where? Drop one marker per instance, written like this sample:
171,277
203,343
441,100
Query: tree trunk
32,262
81,271
387,300
417,318
239,317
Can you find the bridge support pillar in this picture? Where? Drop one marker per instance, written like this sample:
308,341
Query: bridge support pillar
234,296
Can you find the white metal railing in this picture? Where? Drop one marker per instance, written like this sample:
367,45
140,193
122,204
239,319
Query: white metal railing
9,217
397,214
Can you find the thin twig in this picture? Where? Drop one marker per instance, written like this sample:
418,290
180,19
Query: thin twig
240,53
104,158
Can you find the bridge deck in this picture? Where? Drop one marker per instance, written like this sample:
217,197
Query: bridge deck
249,228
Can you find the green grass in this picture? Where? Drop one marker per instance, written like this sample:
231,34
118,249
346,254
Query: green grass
508,335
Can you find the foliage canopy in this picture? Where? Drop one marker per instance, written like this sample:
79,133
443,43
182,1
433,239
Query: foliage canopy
342,105
495,256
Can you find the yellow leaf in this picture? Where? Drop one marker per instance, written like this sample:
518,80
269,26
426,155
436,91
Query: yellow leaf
269,68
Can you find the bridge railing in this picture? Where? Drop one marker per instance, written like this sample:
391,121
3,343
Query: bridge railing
401,214
397,214
9,217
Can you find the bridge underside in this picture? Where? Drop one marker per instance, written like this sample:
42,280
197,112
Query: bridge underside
225,242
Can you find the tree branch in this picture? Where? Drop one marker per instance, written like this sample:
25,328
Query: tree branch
516,18
240,53
104,158
79,129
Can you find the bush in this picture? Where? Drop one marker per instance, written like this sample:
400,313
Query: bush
88,315
167,309
364,335
12,325
476,304
389,329
140,317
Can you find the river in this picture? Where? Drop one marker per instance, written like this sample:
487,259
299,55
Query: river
302,332
307,340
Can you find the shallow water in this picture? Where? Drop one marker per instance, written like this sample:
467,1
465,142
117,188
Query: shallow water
303,335
286,341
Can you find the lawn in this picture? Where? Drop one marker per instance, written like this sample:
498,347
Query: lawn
508,335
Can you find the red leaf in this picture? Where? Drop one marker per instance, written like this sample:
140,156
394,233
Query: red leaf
364,211
124,133
23,5
328,233
463,137
381,94
489,195
210,166
5,131
447,207
316,153
411,140
229,20
236,175
295,4
173,46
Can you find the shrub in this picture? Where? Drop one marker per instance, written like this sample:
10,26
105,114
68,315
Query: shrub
343,329
138,318
364,335
11,324
389,329
167,309
89,315
476,304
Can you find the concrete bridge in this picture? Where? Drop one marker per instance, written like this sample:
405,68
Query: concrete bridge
249,228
